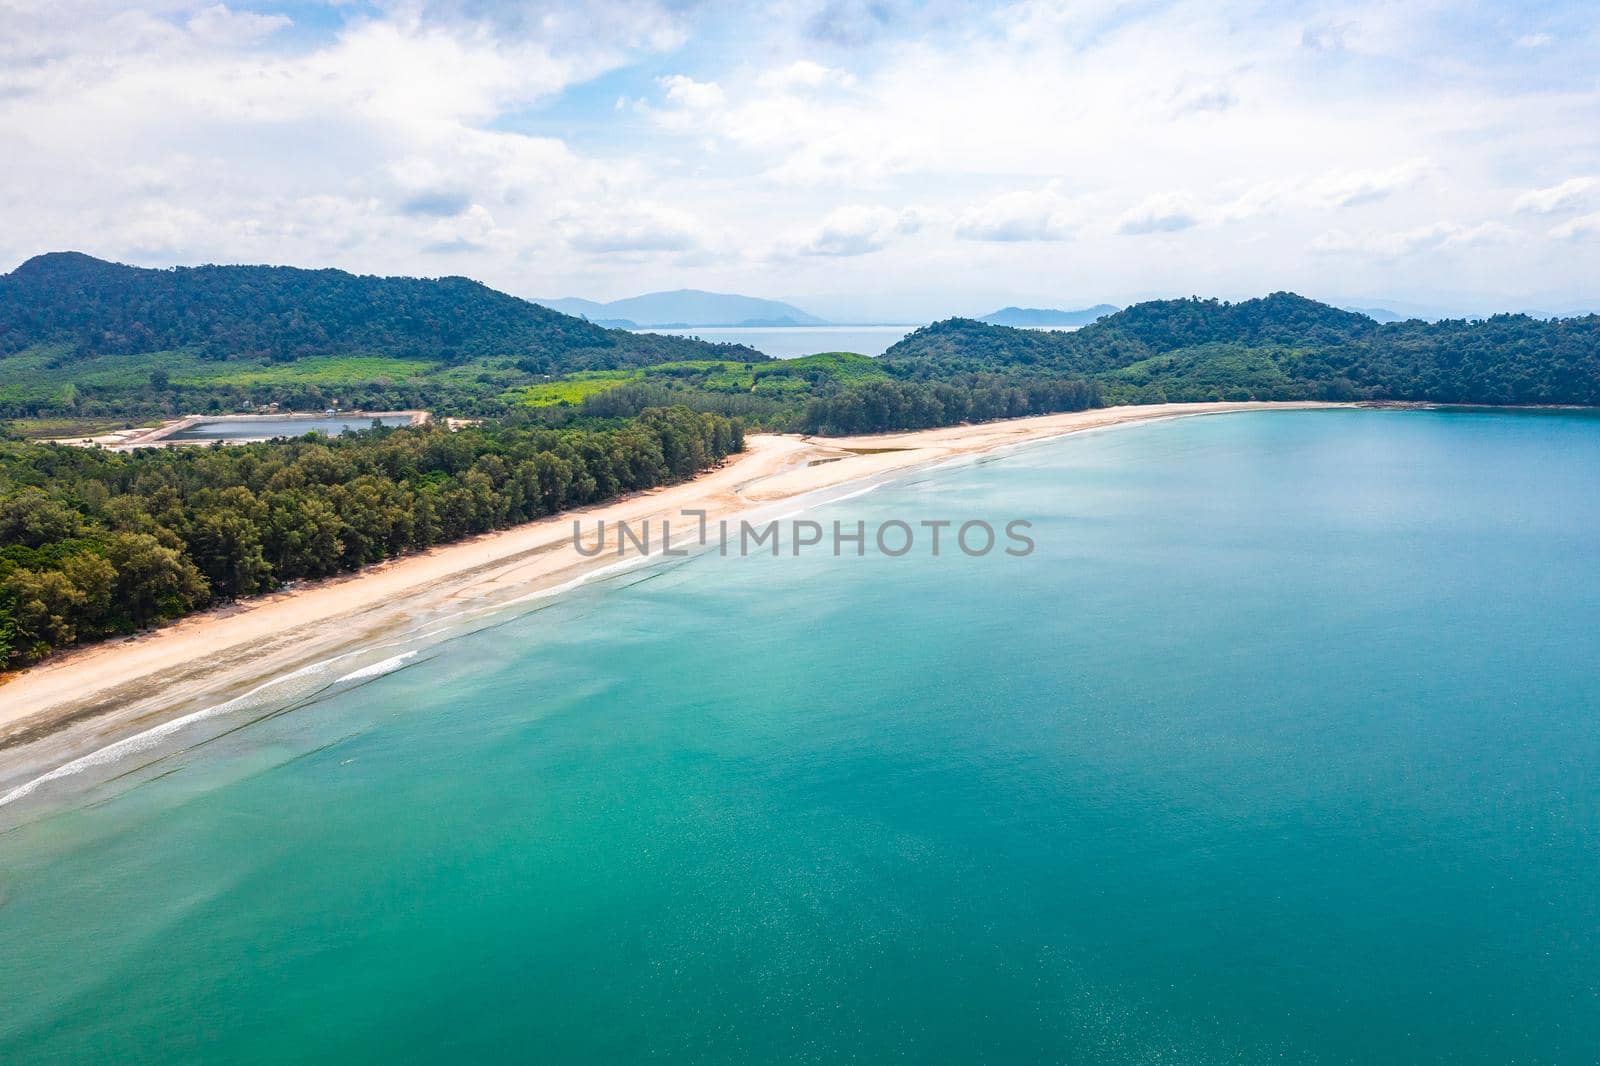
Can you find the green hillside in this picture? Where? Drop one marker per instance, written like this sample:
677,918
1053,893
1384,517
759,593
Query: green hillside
1280,347
83,337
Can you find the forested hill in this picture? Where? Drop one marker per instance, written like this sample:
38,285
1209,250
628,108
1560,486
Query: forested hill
1280,347
281,314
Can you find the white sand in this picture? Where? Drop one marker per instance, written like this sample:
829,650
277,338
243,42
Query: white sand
82,700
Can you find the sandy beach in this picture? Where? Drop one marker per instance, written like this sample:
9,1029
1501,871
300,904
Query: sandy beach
80,701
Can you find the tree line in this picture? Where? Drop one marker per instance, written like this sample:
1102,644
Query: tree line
1282,347
94,543
880,406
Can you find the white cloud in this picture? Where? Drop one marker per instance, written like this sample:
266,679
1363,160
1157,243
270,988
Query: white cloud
1353,188
1327,37
1569,194
1582,227
1396,244
160,230
694,104
1161,213
186,130
640,226
855,230
1203,98
1259,200
803,74
219,26
214,140
1535,40
1026,215
695,95
471,230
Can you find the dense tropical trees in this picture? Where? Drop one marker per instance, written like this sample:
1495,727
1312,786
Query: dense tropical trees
95,542
1281,347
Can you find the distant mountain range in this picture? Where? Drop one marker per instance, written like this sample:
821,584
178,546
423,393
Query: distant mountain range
683,308
1047,316
1384,314
1378,314
1571,312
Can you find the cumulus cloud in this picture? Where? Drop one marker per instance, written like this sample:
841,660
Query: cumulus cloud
217,25
214,139
1259,200
190,130
1328,37
1162,213
1200,99
1564,197
635,227
851,22
695,95
1353,188
856,230
804,74
647,25
692,104
1396,244
159,231
472,230
1584,227
439,203
1024,215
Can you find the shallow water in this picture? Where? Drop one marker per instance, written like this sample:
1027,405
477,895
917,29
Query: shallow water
1282,744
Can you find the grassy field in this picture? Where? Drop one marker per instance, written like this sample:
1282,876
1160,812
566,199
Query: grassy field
47,372
570,390
54,428
780,378
53,379
334,371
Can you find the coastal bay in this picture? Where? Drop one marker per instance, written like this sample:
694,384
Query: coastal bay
78,703
1278,747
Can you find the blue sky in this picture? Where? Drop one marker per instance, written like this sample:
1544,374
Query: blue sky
864,159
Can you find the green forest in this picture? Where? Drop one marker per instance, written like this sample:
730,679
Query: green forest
84,339
90,307
1281,347
87,345
94,543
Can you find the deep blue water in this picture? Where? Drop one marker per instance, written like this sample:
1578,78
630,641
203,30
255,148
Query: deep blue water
1281,746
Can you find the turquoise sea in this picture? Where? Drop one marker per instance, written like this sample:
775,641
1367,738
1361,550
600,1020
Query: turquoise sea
1284,745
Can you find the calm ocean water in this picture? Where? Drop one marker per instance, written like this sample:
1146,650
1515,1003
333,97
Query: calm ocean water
790,342
1283,745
